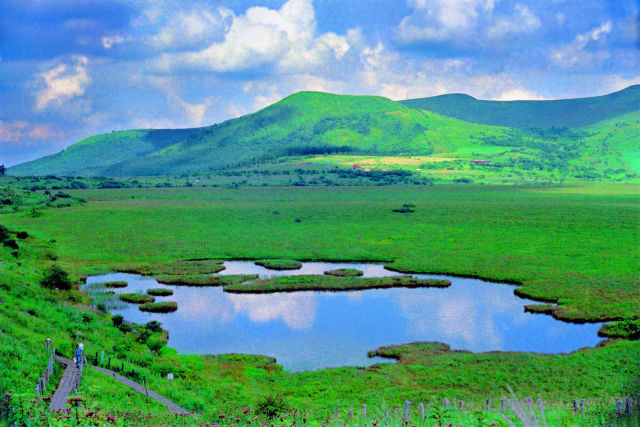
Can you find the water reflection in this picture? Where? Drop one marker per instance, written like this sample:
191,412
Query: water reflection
312,330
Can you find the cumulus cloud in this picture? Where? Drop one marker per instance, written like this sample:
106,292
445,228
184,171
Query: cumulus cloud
583,52
63,83
23,131
192,28
463,20
109,41
521,21
284,39
518,94
440,20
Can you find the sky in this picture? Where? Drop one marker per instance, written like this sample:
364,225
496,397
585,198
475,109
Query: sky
75,68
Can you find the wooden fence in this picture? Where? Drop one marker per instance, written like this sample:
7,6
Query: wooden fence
41,386
623,407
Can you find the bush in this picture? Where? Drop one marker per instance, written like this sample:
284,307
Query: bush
10,243
271,406
125,327
22,235
117,320
154,326
56,278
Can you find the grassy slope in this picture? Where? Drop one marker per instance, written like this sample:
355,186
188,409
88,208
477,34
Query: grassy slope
91,155
532,114
577,245
315,123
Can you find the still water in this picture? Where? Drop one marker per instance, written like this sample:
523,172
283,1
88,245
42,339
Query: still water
314,330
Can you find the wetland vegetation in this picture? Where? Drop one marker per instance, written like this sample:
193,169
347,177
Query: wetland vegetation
549,239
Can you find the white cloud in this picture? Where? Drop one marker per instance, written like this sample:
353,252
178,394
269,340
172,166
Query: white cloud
188,29
62,83
23,131
521,21
517,94
578,52
439,20
284,39
109,42
463,21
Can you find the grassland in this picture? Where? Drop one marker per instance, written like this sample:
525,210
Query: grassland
574,245
332,283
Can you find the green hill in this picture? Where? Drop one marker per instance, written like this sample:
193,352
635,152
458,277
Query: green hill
532,114
320,124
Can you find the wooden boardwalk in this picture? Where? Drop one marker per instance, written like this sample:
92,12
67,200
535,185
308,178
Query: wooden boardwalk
142,389
67,385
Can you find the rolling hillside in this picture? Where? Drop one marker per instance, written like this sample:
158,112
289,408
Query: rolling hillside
322,124
532,114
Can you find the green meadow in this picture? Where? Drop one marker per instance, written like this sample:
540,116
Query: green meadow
574,246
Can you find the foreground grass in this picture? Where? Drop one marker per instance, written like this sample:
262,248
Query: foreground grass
550,239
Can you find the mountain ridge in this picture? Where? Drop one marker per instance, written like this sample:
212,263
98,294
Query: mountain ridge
318,123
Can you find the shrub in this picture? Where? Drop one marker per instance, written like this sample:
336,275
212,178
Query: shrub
10,243
117,320
22,235
271,406
125,327
56,278
154,326
4,233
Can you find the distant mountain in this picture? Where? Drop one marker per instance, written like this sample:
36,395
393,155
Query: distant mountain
589,137
532,114
301,124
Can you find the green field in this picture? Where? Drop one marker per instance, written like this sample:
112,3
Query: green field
577,245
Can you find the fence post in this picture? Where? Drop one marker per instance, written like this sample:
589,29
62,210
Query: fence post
460,403
335,413
627,406
350,414
445,403
581,406
503,402
488,403
422,411
530,402
407,407
619,407
364,411
575,405
37,389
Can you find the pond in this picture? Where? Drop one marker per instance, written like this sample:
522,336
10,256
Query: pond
314,330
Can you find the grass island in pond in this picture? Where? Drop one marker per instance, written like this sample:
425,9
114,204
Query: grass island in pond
160,292
159,307
116,284
280,264
344,272
333,283
134,298
205,280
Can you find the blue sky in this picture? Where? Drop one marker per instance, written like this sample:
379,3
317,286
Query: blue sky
72,69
